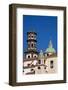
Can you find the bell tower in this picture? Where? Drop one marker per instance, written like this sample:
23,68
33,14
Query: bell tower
31,41
31,45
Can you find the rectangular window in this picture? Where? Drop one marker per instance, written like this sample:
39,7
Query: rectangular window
39,61
28,56
51,64
32,45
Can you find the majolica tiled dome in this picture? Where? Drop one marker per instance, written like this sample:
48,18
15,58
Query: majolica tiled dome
50,48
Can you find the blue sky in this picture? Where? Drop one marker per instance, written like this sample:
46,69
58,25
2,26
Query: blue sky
44,26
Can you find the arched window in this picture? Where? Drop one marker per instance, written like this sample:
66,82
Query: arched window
32,69
35,56
32,36
28,56
32,44
47,54
39,61
39,67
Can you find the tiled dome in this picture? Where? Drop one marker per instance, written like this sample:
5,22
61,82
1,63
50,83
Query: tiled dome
50,49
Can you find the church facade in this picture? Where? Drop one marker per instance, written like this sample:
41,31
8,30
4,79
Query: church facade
35,62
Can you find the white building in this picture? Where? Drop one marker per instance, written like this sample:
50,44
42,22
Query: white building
51,59
39,63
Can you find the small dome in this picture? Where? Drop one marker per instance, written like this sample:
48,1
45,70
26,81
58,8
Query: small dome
41,55
50,49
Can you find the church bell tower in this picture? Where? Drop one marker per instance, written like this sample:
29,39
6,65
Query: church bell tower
31,46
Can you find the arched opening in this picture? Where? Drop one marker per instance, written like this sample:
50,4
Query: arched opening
39,61
28,56
32,44
39,67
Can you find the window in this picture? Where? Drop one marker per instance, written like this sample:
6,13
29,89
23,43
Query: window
39,67
51,64
47,54
28,65
45,67
28,56
32,36
35,56
32,44
32,69
39,61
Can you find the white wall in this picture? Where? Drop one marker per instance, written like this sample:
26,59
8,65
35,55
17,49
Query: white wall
54,69
27,70
4,47
27,62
